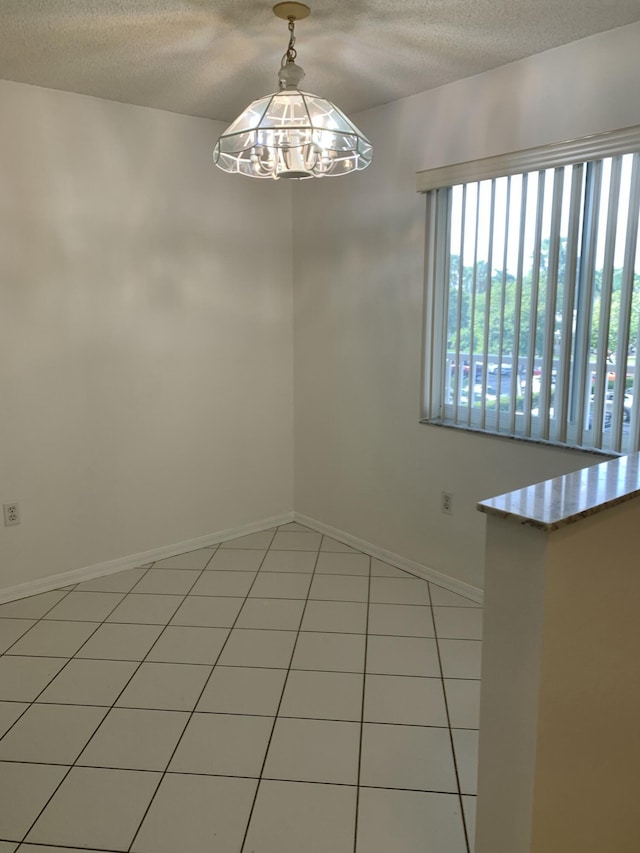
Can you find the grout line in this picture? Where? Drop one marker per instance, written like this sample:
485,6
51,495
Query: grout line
364,688
218,595
73,657
453,750
190,714
352,719
204,687
59,847
236,666
246,628
284,687
35,621
61,782
242,573
37,595
55,657
224,776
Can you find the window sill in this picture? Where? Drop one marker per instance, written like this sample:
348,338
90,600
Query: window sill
594,451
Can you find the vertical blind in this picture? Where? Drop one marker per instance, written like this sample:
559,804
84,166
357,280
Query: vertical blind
533,303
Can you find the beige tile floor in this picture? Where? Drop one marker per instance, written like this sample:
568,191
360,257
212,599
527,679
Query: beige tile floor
278,693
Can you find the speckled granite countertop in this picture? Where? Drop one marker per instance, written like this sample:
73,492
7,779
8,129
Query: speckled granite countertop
565,500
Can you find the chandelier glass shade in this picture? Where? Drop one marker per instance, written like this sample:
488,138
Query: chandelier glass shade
292,134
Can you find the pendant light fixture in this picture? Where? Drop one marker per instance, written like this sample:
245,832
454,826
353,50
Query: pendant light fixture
292,134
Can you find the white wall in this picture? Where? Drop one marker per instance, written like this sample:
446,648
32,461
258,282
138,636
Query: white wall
145,342
363,462
145,334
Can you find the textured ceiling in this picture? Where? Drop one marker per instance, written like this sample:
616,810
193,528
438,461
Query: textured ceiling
211,57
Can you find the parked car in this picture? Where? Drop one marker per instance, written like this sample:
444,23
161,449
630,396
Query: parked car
504,369
607,417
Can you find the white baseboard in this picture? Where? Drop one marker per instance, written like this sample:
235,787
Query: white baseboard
130,562
97,570
452,584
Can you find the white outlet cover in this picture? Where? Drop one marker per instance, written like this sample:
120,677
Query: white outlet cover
11,512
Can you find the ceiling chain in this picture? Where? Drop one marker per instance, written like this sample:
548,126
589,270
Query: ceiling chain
291,53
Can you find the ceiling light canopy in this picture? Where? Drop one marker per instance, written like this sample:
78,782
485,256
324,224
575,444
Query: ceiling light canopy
292,134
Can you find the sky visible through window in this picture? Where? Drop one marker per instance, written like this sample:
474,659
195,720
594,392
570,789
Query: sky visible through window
507,212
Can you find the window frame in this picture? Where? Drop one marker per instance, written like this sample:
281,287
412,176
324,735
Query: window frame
437,234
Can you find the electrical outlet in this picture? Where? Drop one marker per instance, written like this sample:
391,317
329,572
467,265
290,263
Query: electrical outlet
446,503
11,513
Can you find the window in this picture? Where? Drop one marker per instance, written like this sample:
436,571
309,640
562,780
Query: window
533,294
